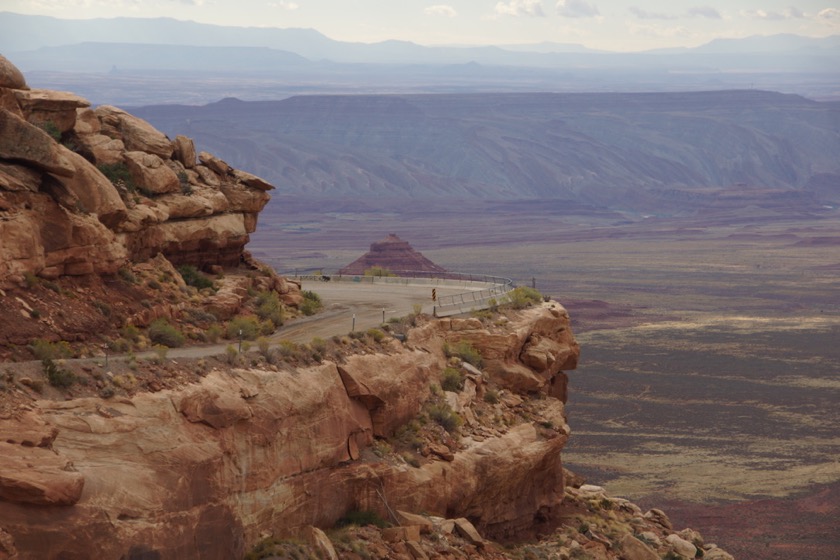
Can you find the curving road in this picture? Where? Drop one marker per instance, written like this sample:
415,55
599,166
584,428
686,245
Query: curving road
342,300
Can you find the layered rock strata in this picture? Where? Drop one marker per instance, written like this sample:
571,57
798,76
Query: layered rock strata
83,191
206,470
394,255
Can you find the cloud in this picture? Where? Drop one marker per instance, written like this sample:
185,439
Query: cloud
440,10
794,13
830,14
649,30
520,8
284,5
763,14
705,11
644,14
577,9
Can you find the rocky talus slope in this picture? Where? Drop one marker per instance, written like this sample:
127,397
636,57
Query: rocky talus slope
84,190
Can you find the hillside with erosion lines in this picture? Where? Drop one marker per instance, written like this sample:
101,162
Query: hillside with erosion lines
664,152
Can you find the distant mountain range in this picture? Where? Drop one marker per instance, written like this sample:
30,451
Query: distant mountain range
28,40
131,61
657,152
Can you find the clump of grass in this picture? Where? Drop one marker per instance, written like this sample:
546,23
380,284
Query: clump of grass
465,351
376,334
448,419
452,380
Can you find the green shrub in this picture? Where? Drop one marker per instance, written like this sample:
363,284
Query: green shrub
127,275
130,332
52,129
319,345
214,332
523,296
160,353
445,417
491,396
269,308
119,175
244,327
231,354
30,279
311,303
465,351
361,519
45,350
194,277
57,376
376,334
452,380
162,332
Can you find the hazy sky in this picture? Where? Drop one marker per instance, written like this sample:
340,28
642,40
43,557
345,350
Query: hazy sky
604,24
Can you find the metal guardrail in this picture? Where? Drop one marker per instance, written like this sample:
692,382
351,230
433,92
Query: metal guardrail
455,304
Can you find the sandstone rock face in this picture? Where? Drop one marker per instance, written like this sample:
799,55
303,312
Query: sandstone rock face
10,76
525,360
204,470
137,134
56,108
61,214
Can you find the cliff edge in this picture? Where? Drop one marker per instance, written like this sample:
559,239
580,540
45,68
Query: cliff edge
83,190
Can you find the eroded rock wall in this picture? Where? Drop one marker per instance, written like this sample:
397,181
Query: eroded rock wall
205,470
83,191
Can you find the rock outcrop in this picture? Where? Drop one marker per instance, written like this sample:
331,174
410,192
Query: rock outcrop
83,191
394,255
205,470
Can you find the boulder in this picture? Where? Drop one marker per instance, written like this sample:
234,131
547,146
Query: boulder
94,192
25,142
44,107
150,174
19,178
136,134
244,199
412,519
252,181
658,516
717,554
634,549
320,542
10,76
184,151
467,530
216,165
681,546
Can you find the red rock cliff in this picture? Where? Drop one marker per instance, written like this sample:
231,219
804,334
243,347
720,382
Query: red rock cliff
203,471
61,215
